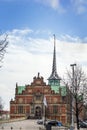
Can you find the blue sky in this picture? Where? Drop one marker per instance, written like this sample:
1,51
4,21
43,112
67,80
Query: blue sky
30,25
58,16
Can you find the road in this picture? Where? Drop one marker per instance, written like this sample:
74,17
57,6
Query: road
23,125
20,125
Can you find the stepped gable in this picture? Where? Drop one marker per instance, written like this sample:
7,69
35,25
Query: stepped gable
39,80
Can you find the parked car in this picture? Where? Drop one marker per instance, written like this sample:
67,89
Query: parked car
83,124
40,122
54,123
85,120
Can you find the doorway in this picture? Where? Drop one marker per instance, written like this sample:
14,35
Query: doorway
38,112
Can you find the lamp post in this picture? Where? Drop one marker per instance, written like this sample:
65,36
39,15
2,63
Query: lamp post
73,90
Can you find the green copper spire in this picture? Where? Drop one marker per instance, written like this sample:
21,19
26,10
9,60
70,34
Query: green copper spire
54,79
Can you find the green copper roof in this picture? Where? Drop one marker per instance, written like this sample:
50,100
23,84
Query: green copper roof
55,85
63,91
55,88
20,89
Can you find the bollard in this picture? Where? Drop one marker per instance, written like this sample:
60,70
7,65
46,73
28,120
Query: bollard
71,128
48,127
20,128
2,127
11,127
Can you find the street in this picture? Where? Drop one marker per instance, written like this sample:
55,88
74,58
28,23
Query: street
20,125
23,125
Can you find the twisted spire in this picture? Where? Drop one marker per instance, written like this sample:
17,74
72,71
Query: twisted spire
54,74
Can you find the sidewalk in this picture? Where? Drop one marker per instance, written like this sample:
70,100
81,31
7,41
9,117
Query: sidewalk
11,120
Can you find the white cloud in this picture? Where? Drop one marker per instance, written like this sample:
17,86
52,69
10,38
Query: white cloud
54,4
80,6
20,32
26,56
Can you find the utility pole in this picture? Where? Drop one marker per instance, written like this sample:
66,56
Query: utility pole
73,90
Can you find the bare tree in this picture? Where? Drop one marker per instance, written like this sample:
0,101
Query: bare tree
77,82
3,46
1,106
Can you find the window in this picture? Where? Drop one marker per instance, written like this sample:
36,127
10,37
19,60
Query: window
55,109
38,97
63,110
63,98
20,109
32,110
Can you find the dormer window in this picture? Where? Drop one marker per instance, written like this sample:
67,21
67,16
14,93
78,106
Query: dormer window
38,97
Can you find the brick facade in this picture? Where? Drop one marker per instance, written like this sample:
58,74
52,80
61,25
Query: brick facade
29,103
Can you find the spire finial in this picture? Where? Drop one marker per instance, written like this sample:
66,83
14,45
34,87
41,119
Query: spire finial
54,39
38,74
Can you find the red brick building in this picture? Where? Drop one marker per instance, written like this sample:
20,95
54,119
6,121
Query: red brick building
29,102
29,98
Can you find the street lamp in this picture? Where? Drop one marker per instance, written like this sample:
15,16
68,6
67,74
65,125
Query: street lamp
73,85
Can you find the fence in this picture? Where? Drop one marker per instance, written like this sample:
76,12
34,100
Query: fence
11,128
54,128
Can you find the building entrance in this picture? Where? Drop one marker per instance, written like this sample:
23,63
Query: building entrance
38,112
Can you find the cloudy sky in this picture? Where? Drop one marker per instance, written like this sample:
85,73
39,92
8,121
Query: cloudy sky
30,25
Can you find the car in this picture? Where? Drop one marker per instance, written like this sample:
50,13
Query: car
54,123
40,122
85,120
83,124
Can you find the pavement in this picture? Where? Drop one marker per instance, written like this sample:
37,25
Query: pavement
24,125
20,125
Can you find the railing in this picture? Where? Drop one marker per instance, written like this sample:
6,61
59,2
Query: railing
12,120
54,128
11,128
